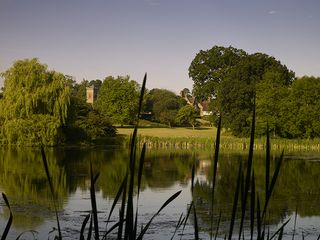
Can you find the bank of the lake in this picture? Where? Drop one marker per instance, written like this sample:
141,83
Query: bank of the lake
186,138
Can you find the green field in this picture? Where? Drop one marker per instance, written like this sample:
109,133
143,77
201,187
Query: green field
209,132
205,137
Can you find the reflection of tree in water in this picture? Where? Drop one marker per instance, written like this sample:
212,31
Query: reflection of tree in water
161,170
23,179
165,169
298,186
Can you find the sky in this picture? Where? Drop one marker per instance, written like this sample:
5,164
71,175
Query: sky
93,39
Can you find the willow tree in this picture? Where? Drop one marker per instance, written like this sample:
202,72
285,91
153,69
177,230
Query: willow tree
33,94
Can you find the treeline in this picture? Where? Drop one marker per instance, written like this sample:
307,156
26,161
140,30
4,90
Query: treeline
39,106
232,79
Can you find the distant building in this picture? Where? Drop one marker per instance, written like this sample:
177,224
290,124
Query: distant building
202,106
92,93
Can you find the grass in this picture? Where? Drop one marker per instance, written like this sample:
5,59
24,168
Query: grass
204,138
172,132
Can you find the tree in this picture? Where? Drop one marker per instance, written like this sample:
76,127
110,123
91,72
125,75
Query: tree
164,105
84,123
301,112
230,77
209,68
35,102
187,115
271,102
94,125
118,99
29,88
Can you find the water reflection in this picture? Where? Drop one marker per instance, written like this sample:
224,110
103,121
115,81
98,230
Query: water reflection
23,179
298,187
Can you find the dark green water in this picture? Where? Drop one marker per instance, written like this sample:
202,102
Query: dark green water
23,179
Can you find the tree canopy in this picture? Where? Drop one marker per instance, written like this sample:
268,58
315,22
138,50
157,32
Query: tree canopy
231,78
30,88
209,68
118,99
34,105
187,115
164,105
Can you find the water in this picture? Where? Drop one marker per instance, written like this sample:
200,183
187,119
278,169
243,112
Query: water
23,180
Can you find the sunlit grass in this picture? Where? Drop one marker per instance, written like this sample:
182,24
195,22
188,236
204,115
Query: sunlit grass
172,132
204,138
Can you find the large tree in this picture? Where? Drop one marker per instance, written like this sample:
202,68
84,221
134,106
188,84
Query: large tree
230,78
118,99
210,67
30,88
35,103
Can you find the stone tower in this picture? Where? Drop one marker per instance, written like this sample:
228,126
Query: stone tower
92,93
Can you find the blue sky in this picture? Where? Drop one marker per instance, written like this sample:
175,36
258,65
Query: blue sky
93,39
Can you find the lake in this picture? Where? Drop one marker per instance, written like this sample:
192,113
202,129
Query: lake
23,180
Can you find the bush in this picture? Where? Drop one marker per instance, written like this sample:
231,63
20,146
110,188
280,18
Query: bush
90,127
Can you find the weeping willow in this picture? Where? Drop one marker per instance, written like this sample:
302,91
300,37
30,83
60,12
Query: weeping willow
35,104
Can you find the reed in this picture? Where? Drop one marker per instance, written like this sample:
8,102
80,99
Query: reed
53,194
227,143
7,228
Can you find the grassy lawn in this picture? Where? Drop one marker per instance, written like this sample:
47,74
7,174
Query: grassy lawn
208,132
207,135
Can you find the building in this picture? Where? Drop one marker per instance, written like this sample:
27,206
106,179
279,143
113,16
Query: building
202,106
92,93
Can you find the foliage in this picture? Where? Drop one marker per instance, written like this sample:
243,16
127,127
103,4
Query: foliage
84,123
185,92
35,130
164,105
29,88
35,104
118,99
300,112
187,115
232,78
271,98
95,125
209,68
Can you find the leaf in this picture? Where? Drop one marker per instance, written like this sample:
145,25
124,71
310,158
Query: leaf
45,164
249,168
84,223
178,225
94,203
7,228
215,167
144,230
235,202
272,184
116,199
